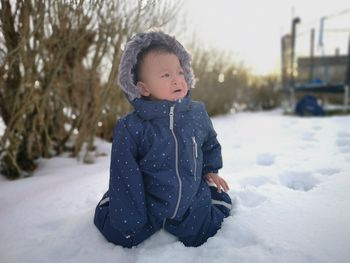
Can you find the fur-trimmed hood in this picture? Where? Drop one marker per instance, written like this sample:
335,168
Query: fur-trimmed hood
129,59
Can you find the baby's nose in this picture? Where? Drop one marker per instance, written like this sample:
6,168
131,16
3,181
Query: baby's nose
176,79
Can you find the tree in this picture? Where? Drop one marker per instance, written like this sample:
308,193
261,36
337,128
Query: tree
221,82
58,68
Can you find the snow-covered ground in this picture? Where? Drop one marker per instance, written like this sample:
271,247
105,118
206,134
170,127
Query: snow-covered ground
289,176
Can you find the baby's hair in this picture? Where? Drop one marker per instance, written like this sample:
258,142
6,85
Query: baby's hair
153,48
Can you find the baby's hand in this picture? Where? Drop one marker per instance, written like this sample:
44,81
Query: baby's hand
217,180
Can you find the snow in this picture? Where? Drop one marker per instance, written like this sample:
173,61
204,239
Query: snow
288,176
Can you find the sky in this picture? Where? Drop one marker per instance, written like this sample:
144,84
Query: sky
251,30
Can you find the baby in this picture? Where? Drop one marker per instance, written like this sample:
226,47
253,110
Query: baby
165,156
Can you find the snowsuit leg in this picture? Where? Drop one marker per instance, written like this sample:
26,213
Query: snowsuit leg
221,200
203,219
103,224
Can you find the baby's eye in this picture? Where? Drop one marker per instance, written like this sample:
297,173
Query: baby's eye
181,72
166,75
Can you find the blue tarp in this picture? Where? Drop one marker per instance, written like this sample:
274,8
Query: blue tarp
308,106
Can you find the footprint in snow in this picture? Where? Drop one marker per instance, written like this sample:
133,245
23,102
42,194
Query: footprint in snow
345,150
250,198
343,144
328,171
300,181
265,159
256,181
317,127
343,134
309,136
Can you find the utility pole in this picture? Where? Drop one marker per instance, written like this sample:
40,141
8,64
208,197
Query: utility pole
347,79
295,21
312,54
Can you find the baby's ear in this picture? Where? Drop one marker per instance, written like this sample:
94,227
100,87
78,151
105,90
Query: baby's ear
143,89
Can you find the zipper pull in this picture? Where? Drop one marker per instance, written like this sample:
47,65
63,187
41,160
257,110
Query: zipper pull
195,146
171,115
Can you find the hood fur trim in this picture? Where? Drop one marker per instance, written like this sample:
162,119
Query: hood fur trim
134,47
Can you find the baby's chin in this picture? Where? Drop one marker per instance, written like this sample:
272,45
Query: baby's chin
178,98
173,97
170,98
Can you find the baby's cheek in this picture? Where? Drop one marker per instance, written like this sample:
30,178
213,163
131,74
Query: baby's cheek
185,84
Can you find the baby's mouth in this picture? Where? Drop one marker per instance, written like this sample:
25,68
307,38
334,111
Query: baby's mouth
177,90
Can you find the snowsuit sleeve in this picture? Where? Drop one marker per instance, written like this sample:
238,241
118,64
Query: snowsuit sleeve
126,188
211,148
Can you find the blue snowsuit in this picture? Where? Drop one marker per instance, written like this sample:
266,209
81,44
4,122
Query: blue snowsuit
160,153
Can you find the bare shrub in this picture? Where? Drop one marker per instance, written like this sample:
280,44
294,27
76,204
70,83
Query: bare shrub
58,68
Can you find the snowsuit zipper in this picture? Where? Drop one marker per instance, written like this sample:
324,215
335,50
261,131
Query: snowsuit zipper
195,155
171,125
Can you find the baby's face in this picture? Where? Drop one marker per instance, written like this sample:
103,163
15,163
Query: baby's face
162,77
